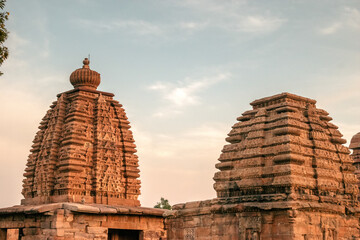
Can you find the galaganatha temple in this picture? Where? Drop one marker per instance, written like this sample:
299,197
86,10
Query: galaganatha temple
285,174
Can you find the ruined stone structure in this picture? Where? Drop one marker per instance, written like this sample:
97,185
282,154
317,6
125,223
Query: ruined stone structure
284,175
81,179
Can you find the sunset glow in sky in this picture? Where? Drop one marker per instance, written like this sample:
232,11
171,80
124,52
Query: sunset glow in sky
184,70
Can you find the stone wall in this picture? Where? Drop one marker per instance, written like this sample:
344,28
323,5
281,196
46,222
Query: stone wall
70,222
202,220
214,220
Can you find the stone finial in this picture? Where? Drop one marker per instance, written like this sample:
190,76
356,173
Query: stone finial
86,63
85,77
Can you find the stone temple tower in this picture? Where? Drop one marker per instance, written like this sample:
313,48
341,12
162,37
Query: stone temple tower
81,180
84,150
284,174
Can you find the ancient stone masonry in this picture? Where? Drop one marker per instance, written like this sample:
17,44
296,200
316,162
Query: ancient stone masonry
286,149
84,150
74,221
284,175
355,146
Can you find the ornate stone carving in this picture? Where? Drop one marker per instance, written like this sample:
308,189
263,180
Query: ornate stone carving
285,141
84,150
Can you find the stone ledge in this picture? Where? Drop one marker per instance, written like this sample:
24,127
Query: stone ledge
83,208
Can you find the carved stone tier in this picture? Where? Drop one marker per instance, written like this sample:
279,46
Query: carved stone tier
286,149
83,152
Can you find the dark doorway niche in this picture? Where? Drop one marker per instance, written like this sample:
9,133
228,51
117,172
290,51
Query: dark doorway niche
121,234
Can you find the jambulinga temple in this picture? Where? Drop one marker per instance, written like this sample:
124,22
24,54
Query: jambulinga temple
284,175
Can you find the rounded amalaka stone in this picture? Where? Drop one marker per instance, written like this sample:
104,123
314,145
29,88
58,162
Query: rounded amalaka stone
85,77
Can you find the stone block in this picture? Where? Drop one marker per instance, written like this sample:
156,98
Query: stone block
49,232
12,234
36,237
45,225
31,223
94,223
69,235
87,217
203,232
31,231
79,226
96,230
11,224
83,236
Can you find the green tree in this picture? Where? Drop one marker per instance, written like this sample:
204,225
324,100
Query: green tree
4,52
164,204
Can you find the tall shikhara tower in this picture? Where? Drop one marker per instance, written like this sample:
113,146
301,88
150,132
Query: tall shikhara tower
84,150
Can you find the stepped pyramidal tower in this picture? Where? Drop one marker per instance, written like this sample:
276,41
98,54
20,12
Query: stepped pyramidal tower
284,175
84,150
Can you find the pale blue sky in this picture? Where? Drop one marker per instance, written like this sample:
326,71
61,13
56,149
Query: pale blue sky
184,70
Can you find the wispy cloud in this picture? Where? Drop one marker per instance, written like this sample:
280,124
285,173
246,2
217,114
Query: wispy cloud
142,28
214,6
331,29
186,92
352,16
16,45
228,15
137,27
192,25
256,23
234,16
349,18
